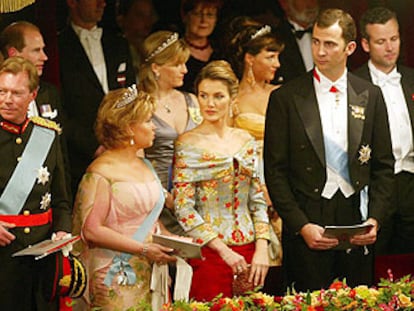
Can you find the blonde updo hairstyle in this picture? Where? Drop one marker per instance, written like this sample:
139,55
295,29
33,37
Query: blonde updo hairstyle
176,53
112,122
219,70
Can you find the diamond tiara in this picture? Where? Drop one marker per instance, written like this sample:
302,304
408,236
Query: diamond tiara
173,38
261,32
128,97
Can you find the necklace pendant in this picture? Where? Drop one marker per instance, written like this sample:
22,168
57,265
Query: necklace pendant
167,108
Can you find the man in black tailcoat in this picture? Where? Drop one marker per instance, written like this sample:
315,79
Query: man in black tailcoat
296,33
328,161
92,62
381,39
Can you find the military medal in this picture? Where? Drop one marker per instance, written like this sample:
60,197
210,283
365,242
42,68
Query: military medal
358,112
364,154
45,202
42,175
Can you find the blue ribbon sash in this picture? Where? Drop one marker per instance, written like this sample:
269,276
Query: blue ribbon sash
120,263
337,158
24,176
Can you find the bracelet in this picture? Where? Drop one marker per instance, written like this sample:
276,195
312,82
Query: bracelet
144,250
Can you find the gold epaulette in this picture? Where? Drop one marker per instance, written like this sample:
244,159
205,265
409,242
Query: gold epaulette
47,123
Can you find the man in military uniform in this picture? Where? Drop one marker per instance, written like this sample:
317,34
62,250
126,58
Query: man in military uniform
33,198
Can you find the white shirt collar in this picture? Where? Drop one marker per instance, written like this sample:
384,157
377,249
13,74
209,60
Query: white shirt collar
324,84
381,78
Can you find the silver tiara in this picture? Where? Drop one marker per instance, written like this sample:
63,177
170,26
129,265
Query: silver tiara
173,38
128,97
261,32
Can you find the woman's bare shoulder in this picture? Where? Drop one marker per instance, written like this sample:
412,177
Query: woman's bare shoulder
189,137
102,165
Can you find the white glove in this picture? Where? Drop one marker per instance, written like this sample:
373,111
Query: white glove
67,248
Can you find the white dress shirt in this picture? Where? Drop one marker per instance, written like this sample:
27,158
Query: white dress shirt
398,117
91,42
305,46
334,119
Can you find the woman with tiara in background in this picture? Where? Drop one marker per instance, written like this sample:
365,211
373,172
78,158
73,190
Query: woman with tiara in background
254,54
163,71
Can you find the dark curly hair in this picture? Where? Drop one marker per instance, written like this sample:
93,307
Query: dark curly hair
243,41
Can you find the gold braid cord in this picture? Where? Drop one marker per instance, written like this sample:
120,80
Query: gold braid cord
7,6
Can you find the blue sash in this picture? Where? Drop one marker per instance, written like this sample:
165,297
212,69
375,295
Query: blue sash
24,176
337,158
120,263
363,203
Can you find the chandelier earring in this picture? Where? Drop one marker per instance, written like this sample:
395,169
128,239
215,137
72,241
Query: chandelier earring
250,76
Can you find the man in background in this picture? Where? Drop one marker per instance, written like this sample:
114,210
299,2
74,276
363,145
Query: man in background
92,62
24,39
296,32
381,39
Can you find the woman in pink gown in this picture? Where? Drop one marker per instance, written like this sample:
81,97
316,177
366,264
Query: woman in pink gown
117,207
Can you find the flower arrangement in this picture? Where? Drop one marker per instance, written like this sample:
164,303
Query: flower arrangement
388,295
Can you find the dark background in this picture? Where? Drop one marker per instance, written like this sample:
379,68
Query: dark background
51,16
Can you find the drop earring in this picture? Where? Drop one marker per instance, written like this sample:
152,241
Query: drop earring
132,141
250,76
156,76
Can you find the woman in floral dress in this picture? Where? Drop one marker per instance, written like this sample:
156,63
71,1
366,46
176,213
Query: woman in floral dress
117,207
218,198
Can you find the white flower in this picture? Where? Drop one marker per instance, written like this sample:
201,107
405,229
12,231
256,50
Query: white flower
46,199
42,175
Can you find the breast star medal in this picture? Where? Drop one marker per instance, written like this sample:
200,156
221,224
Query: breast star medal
45,202
364,154
42,175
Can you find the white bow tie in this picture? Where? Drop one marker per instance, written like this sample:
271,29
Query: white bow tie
391,79
94,33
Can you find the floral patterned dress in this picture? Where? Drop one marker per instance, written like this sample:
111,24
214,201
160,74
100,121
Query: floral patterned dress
130,203
219,195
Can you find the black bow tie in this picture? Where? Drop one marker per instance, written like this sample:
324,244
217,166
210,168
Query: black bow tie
299,33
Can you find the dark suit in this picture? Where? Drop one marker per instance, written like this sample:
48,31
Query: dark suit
291,61
48,96
295,172
82,92
397,235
